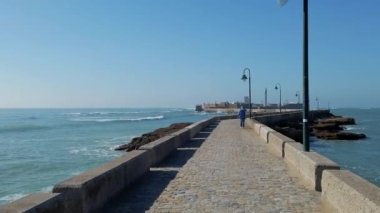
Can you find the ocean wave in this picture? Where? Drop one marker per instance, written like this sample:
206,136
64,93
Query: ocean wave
47,189
200,113
100,113
349,128
12,197
174,110
102,120
76,151
21,128
98,152
159,117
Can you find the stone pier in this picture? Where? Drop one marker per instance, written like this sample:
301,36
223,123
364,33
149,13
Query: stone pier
212,166
224,168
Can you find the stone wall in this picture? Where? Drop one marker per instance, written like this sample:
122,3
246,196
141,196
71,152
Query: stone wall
341,190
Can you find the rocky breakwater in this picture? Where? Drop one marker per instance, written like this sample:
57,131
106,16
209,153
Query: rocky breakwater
330,129
136,142
325,126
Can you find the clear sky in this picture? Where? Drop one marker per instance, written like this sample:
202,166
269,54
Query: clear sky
177,53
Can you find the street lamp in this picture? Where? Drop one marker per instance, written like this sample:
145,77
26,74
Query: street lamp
244,78
305,120
298,96
317,100
278,86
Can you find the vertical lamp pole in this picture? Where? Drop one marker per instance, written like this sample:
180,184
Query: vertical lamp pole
244,78
278,86
305,120
317,100
306,142
298,96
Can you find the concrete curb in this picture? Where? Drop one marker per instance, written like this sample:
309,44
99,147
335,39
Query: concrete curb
347,192
162,147
90,190
39,202
308,165
342,190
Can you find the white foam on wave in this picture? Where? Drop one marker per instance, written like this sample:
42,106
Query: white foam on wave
71,113
47,189
102,151
77,151
12,197
103,120
159,117
100,113
349,128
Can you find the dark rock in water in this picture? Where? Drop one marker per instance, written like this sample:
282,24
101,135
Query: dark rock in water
325,126
340,135
330,129
151,136
337,121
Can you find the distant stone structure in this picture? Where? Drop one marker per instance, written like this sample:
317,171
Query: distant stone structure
228,106
198,108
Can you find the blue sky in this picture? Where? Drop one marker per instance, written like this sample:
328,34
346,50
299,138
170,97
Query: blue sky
169,53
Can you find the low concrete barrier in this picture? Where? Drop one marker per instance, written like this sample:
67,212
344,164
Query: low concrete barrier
347,192
343,190
39,202
255,125
308,165
264,132
276,143
311,165
291,152
182,136
162,147
93,188
197,127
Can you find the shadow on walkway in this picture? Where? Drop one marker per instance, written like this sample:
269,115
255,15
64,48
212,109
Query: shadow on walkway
140,196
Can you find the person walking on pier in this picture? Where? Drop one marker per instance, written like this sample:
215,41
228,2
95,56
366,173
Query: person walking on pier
242,116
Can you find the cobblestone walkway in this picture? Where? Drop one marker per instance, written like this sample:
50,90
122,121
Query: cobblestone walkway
232,171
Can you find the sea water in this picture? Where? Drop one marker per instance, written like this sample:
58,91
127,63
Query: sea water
41,147
359,156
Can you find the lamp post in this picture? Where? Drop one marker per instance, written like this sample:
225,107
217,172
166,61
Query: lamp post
305,120
278,86
317,100
244,78
298,96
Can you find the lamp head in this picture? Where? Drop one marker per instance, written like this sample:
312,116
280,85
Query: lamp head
276,87
244,77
